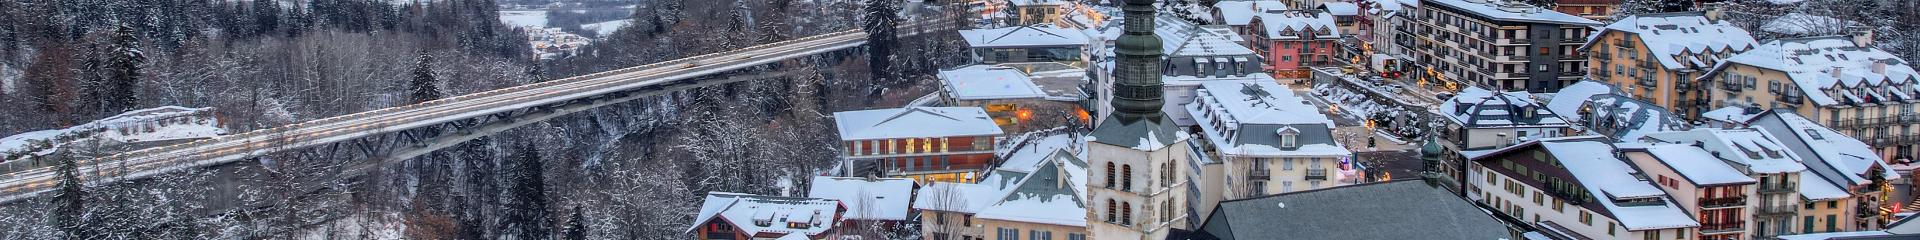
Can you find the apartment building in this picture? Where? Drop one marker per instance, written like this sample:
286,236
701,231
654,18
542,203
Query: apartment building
1759,155
1503,44
1030,12
1269,140
1292,41
1656,57
1842,82
1713,192
1577,188
1849,184
1478,121
927,144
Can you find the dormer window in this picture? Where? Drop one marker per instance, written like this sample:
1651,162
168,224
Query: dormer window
1289,137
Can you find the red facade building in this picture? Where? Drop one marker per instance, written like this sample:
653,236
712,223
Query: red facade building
1292,41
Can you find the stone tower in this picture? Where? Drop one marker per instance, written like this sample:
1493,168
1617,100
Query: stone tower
1138,171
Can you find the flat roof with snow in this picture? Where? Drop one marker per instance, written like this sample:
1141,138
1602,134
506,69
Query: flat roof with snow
1514,12
866,199
914,122
984,82
1024,36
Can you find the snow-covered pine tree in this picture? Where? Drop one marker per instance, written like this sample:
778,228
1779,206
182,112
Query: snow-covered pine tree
881,19
123,76
70,199
424,86
576,226
527,214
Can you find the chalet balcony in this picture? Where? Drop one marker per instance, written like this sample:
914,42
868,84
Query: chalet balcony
1725,202
1722,227
1729,86
1603,56
1683,85
1647,64
1260,174
1793,99
1624,44
1778,188
1316,174
1648,81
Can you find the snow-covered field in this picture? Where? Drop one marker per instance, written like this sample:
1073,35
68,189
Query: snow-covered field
605,28
524,18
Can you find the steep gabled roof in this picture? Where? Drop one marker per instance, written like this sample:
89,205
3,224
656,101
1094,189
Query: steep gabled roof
1669,36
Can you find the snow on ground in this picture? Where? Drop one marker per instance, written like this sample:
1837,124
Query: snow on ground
605,28
144,125
7,76
357,226
524,18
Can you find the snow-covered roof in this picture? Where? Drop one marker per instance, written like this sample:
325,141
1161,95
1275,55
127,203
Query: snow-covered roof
1695,164
1512,12
1681,36
866,199
1052,194
958,197
1033,208
1593,164
1240,13
1752,148
1475,107
1625,118
1731,114
747,211
1835,235
914,122
1815,188
1341,8
1024,36
1815,64
1839,158
1030,154
1570,98
1801,24
984,82
1297,25
1180,38
1260,112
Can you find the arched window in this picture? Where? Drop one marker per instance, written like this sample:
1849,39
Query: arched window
1126,177
1110,210
1126,216
1109,175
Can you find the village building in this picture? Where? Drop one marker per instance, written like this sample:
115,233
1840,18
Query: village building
1705,187
928,144
1030,12
725,215
883,203
1016,100
1759,155
1495,44
1656,57
1028,44
1576,188
1293,41
1839,165
1268,140
1038,193
1478,121
1840,82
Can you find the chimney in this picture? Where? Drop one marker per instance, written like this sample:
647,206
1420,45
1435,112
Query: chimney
1880,66
1862,36
1713,11
1835,71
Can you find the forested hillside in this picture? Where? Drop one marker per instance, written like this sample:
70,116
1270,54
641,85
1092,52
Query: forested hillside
629,171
